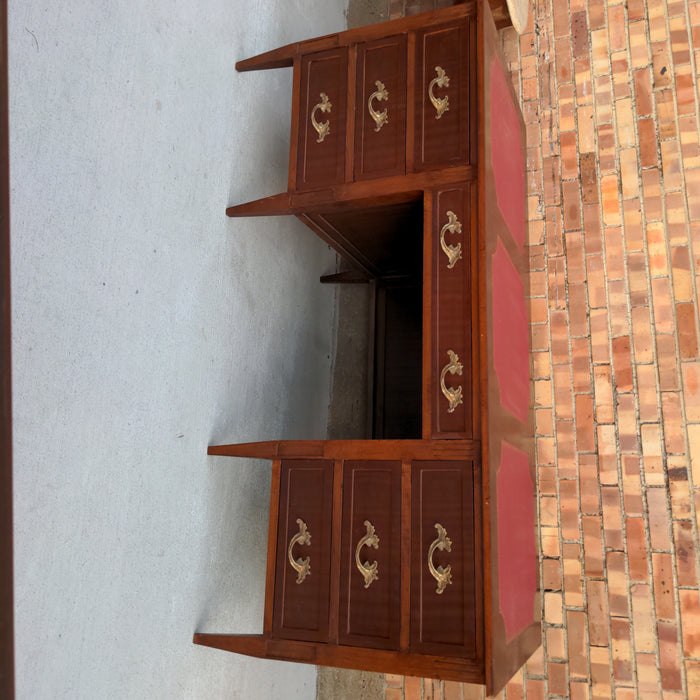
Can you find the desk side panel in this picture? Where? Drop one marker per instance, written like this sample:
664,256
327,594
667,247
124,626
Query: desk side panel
512,585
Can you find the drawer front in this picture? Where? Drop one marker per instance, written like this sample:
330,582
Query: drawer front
452,368
370,575
380,119
444,70
322,119
302,577
443,583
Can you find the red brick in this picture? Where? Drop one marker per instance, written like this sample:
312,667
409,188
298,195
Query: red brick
648,145
682,275
621,648
556,674
612,517
622,363
394,680
473,692
634,232
669,657
691,390
601,673
412,688
679,488
588,484
647,675
687,330
597,609
585,431
573,581
632,485
636,549
685,553
692,670
578,690
452,690
581,365
643,619
592,545
578,647
666,362
627,425
673,423
663,585
690,620
535,689
607,454
642,335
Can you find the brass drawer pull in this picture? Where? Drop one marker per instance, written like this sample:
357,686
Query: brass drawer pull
453,396
301,566
441,104
443,576
453,252
368,571
381,93
323,129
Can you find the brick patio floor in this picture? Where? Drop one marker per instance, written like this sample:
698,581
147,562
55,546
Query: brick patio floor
609,93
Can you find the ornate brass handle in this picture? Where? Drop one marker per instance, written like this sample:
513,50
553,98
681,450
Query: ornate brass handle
453,396
381,93
453,252
368,571
301,566
323,129
441,104
443,576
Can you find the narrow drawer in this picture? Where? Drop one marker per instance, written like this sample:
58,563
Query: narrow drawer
302,577
444,94
380,120
452,368
322,119
371,555
443,560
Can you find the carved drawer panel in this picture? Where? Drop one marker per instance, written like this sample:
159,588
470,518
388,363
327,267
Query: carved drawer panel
322,119
302,579
443,94
452,366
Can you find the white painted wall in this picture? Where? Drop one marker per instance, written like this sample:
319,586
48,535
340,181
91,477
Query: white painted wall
147,325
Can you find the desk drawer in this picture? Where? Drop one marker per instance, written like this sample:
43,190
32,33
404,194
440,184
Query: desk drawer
380,108
322,119
370,571
451,334
443,561
302,579
444,94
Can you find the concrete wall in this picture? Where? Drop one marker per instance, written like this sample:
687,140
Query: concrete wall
147,325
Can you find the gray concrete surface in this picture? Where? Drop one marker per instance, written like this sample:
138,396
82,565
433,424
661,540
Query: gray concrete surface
147,325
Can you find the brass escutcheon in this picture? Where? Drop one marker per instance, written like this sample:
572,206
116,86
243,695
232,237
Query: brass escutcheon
453,252
323,128
441,104
443,575
301,566
453,396
368,571
381,93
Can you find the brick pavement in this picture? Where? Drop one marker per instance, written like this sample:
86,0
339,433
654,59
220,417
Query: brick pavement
609,92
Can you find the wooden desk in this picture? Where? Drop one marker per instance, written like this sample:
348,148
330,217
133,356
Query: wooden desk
413,551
